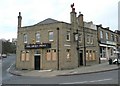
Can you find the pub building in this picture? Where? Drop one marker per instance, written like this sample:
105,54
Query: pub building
52,44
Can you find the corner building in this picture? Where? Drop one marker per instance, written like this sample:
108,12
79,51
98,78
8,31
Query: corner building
50,44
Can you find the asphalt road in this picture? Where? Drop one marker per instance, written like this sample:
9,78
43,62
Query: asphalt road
109,77
6,64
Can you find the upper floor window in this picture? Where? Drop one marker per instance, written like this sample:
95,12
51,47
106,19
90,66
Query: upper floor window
80,38
101,34
116,38
68,36
88,39
50,35
37,37
112,37
92,39
107,35
25,38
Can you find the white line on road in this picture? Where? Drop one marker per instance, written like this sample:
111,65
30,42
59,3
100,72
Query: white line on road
88,81
10,67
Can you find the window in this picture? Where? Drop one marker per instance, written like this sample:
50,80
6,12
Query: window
68,53
87,56
90,55
68,36
48,55
92,39
22,55
116,38
94,56
112,37
80,38
54,55
25,56
101,34
88,39
107,35
25,38
37,37
51,36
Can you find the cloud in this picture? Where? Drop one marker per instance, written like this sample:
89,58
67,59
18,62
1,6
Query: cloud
33,11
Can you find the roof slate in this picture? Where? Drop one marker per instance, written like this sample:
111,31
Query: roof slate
48,21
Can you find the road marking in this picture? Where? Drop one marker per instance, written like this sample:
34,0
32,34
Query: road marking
75,82
10,67
100,80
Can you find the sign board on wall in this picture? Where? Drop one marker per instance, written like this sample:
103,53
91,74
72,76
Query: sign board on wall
37,46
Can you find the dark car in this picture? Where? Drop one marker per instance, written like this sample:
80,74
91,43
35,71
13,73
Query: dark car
115,61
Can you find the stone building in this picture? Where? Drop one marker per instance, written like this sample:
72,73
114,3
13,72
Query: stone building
52,44
108,42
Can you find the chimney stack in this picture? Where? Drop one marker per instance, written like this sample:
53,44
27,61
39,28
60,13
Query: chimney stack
73,15
80,19
19,20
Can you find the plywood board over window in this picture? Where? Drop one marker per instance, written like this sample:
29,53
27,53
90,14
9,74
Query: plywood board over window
54,55
27,57
48,55
22,56
94,55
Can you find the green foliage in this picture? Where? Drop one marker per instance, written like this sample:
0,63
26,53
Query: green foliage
8,47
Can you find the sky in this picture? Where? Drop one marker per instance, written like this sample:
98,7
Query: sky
103,12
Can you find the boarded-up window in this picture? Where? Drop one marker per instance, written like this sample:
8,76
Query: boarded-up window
22,56
27,56
54,55
94,56
48,55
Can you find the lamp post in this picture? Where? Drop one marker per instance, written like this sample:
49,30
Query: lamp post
58,62
84,47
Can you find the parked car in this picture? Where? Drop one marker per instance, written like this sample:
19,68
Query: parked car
115,61
4,56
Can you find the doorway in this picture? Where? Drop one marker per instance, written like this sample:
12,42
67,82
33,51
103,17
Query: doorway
81,58
37,62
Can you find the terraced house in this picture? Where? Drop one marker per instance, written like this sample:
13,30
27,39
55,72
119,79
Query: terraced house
109,43
53,44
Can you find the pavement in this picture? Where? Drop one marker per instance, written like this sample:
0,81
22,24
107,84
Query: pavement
77,71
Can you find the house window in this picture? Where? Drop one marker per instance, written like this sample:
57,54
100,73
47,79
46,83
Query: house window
116,38
107,35
88,39
101,34
68,36
92,39
37,37
112,37
25,38
50,36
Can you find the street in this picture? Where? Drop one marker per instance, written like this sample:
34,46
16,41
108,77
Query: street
109,77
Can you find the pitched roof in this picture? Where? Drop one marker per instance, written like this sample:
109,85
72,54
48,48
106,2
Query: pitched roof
47,21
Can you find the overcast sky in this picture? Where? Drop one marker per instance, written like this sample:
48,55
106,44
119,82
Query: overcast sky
103,12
